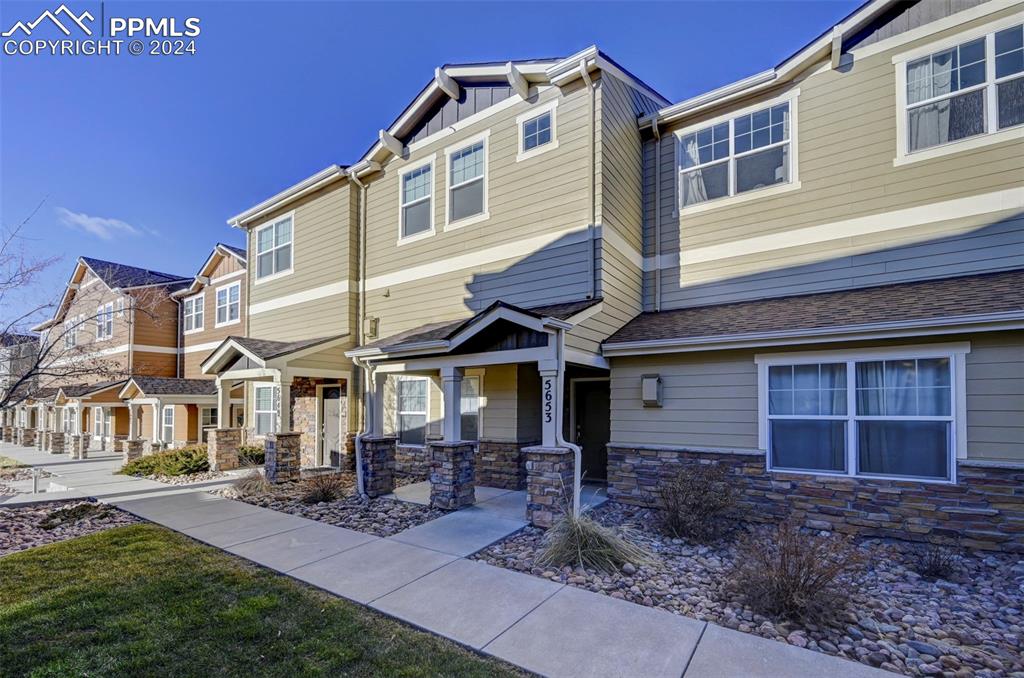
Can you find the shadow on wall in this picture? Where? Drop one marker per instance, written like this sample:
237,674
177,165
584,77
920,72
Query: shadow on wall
992,247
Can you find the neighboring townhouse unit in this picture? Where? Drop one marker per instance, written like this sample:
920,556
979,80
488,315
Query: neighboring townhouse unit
181,410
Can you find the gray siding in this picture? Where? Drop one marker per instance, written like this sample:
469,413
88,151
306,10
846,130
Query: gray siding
448,111
907,16
995,396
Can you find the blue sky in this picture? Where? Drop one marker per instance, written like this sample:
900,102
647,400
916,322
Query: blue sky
141,159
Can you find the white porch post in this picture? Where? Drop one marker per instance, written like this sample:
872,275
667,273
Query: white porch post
377,404
223,404
78,418
284,407
451,385
158,415
548,402
133,425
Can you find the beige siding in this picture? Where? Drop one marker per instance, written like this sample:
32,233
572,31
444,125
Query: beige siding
710,398
846,134
211,334
154,364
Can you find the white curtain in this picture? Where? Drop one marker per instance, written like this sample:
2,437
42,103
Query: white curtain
694,190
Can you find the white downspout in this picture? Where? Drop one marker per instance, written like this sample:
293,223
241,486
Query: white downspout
591,273
577,475
657,217
367,371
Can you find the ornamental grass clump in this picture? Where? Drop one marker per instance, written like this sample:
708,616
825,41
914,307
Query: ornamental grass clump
698,502
935,561
584,542
791,573
252,484
179,462
324,487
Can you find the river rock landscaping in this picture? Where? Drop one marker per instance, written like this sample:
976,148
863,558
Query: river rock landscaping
12,474
29,526
380,517
186,479
970,624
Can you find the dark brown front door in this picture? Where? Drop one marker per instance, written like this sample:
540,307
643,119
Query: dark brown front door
593,426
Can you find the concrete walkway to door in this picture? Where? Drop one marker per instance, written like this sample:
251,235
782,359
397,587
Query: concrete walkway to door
551,629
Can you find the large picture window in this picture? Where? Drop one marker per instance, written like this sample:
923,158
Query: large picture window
274,248
745,153
417,211
411,410
966,90
265,409
888,416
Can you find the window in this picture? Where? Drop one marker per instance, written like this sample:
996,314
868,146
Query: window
71,332
167,424
880,416
412,410
469,407
207,420
967,90
120,307
274,248
466,182
417,204
265,409
192,311
537,133
228,304
105,321
100,423
745,153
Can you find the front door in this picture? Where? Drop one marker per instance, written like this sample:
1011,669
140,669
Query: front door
330,430
593,426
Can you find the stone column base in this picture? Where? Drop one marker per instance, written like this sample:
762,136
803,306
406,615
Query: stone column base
282,452
79,446
222,448
501,464
41,440
549,477
8,434
452,474
55,445
348,458
131,449
379,465
28,437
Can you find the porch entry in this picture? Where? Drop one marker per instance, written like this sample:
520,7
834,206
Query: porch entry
330,426
591,424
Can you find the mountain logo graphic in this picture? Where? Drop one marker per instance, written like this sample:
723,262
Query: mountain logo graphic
79,21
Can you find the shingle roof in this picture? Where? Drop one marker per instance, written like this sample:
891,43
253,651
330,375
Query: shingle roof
42,394
446,330
79,390
266,349
920,301
240,251
14,339
174,386
122,275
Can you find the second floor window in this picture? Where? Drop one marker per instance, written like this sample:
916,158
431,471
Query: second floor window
537,131
193,313
71,331
105,321
417,208
274,248
746,153
466,185
971,89
228,304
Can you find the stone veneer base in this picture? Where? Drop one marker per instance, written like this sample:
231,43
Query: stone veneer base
452,474
378,465
501,464
549,480
984,509
282,456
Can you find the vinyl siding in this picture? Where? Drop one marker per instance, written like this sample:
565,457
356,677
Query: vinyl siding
846,135
154,364
710,398
211,334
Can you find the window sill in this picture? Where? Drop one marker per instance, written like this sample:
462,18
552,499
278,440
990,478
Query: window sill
468,221
228,324
195,331
539,150
741,198
859,477
274,276
957,146
415,238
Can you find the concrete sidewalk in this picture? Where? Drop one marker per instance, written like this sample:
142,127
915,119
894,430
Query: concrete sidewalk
421,577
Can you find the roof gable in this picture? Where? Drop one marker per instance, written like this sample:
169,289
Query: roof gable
220,252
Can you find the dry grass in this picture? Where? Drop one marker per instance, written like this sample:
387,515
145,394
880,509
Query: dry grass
325,487
584,542
698,502
252,484
936,561
791,573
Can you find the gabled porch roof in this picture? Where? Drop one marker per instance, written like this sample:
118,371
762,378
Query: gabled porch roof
142,387
265,353
87,391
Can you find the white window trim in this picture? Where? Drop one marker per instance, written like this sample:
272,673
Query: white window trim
483,137
202,302
164,424
957,354
257,280
481,402
227,292
411,167
550,107
399,412
793,184
105,320
992,135
202,411
256,412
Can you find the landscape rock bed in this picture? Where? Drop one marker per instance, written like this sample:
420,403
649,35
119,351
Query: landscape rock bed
895,619
19,473
29,526
188,478
380,517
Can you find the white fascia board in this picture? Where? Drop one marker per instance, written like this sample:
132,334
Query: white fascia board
993,322
209,365
570,64
307,185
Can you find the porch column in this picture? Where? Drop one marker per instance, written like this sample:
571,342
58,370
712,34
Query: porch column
377,404
133,425
548,402
158,413
451,385
223,404
284,406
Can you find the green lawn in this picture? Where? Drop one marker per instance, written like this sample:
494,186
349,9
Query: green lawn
142,600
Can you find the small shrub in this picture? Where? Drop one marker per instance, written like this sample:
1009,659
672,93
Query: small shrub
324,487
251,455
697,501
584,542
791,573
936,561
183,461
252,484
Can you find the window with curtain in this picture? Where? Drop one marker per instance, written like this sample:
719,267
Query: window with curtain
949,93
885,417
274,248
466,182
265,409
417,205
192,313
748,152
469,408
411,410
